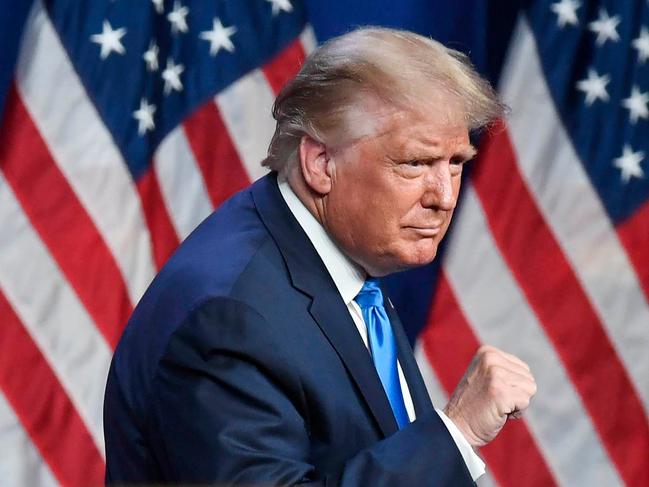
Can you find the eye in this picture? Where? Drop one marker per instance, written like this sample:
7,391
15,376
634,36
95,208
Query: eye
416,163
458,161
412,168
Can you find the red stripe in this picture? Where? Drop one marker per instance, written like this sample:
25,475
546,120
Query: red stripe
215,154
558,300
164,239
61,221
634,234
449,344
43,408
209,139
284,66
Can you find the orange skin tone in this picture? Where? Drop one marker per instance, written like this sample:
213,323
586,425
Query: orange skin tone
387,198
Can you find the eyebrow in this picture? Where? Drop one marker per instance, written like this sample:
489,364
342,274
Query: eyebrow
470,153
467,153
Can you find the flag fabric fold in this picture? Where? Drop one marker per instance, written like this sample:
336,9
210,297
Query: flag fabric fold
123,125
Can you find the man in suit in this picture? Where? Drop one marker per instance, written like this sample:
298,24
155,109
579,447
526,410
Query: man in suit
265,351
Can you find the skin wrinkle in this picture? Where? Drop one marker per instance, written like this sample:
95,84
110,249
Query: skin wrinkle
387,198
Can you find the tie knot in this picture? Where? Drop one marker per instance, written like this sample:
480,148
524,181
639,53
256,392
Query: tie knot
370,294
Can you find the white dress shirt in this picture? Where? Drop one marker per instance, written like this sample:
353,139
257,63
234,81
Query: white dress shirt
349,279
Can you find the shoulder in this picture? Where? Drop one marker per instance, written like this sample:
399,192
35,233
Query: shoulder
219,270
207,264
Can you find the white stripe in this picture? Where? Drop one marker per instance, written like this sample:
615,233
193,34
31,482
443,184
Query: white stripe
246,107
434,387
83,149
20,463
573,210
308,40
181,182
500,316
440,398
52,314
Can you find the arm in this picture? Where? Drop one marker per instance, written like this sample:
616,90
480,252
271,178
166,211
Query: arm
227,407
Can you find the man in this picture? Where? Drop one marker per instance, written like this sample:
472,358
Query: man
265,352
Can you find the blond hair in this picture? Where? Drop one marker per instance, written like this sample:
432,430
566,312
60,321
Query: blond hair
400,68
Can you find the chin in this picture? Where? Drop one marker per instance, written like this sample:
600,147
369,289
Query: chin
404,261
421,261
423,253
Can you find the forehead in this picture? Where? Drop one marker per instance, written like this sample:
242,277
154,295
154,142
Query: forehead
371,114
417,134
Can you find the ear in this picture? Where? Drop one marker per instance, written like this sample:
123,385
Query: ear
314,161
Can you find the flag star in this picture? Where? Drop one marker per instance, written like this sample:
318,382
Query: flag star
605,27
144,117
150,57
171,76
281,6
177,18
566,11
219,37
637,104
159,6
109,39
629,163
594,86
642,45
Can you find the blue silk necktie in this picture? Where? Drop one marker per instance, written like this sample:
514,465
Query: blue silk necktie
383,346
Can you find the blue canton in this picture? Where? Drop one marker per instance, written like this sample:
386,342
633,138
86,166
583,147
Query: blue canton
148,64
595,56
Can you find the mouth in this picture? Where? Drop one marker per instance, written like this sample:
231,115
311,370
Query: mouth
427,232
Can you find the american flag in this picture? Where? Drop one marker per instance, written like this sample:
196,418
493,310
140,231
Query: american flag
126,123
125,126
549,255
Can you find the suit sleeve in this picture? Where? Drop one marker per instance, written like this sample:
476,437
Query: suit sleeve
227,408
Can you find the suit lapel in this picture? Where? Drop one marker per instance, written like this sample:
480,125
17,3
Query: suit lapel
332,316
309,275
418,391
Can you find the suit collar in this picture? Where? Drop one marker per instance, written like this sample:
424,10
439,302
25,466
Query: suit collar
349,279
309,274
346,275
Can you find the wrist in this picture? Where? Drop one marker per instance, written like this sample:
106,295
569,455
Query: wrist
463,426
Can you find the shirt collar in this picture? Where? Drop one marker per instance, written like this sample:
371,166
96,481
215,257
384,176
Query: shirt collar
347,276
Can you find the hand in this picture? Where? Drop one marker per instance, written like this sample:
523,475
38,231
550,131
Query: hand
495,387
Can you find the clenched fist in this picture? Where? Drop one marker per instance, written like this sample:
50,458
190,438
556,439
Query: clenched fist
495,387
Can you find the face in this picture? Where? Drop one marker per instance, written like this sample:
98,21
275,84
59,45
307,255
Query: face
393,193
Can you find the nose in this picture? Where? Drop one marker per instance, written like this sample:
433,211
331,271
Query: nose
438,191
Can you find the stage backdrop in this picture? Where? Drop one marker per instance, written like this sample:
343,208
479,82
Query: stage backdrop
125,123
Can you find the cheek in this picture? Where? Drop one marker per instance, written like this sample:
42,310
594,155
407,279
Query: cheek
375,208
449,216
423,251
386,217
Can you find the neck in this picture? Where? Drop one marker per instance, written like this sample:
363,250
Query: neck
312,201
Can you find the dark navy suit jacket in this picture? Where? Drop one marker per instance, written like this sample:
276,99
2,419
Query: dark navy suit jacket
242,365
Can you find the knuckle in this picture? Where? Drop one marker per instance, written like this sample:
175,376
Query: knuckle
487,360
494,372
485,350
534,388
490,357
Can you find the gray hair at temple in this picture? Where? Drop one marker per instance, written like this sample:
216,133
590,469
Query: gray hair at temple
403,69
